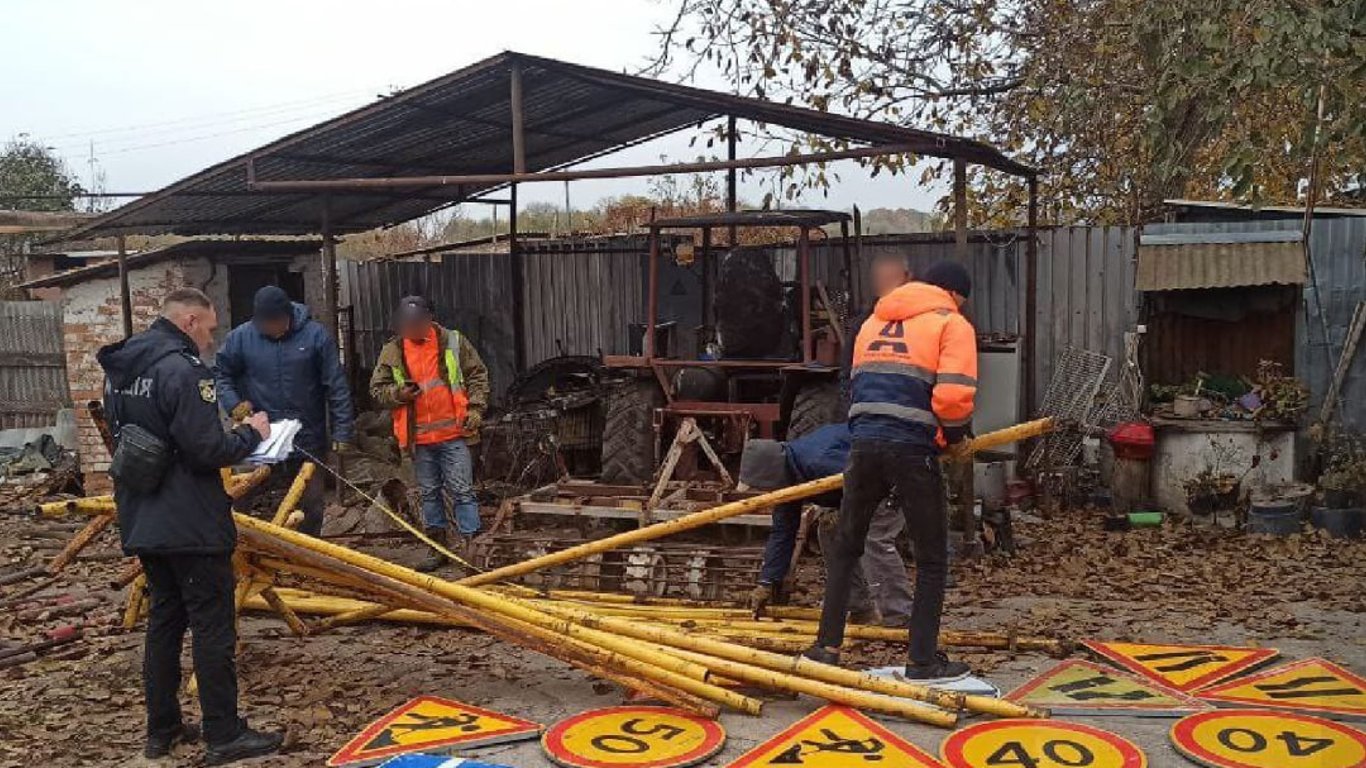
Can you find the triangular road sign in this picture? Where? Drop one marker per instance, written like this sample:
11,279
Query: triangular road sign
836,737
1312,685
1183,667
431,724
1077,687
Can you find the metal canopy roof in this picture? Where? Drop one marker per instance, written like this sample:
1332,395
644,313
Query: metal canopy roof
211,249
790,217
460,124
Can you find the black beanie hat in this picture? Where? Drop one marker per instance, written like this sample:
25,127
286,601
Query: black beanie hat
949,275
271,303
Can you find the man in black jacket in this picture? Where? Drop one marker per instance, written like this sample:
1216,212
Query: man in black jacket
182,528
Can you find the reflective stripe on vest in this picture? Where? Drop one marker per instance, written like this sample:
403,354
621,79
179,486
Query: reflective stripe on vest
903,412
917,372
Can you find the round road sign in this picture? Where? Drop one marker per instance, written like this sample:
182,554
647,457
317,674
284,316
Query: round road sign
1258,738
1038,744
642,737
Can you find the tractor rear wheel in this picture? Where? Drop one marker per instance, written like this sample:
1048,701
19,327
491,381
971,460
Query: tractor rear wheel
817,403
628,435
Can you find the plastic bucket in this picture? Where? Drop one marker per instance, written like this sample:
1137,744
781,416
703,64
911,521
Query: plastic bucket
1277,519
1340,523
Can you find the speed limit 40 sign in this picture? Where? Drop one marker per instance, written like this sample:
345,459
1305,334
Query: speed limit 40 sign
641,737
1038,744
1259,738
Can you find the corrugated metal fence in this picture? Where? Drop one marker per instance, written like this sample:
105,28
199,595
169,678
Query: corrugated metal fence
581,297
32,366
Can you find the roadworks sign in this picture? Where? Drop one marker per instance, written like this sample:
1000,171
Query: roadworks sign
1183,667
1256,738
1077,687
836,737
1312,685
431,724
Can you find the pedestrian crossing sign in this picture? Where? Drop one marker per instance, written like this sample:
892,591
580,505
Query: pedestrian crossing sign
431,724
1183,667
836,737
1312,685
1077,687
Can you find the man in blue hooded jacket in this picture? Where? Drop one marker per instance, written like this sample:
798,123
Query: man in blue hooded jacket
284,363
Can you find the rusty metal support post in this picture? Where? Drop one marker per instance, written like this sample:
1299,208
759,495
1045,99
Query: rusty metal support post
708,281
518,120
651,297
1031,344
960,475
960,211
125,294
329,258
732,199
804,270
518,284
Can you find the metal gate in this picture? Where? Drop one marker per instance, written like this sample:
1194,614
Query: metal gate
32,365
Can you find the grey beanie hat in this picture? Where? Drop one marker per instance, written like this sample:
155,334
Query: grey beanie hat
763,465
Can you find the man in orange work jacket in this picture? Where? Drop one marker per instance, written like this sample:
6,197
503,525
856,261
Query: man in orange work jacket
437,387
913,382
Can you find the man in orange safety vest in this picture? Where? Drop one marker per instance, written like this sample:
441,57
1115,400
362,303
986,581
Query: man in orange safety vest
437,387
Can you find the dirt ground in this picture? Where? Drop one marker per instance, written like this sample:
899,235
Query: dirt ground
83,706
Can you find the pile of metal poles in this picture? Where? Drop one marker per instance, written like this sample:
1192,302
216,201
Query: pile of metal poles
697,656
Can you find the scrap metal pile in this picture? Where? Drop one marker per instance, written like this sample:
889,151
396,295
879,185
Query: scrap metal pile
687,653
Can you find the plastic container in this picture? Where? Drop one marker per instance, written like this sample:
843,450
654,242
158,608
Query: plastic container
1133,440
1340,523
1280,518
1145,519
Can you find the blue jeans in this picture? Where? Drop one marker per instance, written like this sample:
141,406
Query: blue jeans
445,469
782,538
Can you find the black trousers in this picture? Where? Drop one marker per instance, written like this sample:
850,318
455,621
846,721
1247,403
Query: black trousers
194,591
277,485
878,470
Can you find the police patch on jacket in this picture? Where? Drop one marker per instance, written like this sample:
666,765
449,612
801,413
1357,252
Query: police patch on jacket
207,392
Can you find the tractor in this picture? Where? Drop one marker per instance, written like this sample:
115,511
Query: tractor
763,361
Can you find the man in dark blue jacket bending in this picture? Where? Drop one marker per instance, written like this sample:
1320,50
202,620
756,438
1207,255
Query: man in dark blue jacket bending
284,363
768,465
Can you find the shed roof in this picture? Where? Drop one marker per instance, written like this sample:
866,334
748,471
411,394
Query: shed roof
1219,260
791,217
459,124
212,249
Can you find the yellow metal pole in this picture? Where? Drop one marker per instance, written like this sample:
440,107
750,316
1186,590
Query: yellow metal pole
705,517
798,666
615,652
296,492
90,505
132,610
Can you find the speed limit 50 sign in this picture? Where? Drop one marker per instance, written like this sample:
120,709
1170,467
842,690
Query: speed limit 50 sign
641,737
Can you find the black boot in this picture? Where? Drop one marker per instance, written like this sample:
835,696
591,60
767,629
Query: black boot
941,670
249,743
434,559
162,744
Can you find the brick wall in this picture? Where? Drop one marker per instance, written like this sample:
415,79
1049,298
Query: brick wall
93,319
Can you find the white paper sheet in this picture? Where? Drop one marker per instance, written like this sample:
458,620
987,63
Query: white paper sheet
279,445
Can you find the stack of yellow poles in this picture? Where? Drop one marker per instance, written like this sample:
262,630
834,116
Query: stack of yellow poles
656,648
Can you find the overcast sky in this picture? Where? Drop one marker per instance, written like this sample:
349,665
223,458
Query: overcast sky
164,88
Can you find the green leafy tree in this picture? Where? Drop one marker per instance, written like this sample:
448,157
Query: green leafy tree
1121,103
29,168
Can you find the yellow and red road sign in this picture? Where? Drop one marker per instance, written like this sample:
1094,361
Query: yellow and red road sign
836,737
1312,685
1183,667
431,724
1257,738
1038,744
639,736
1076,687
